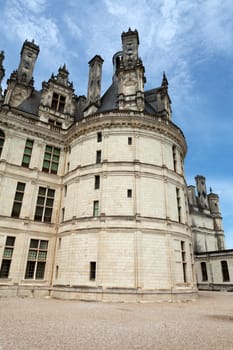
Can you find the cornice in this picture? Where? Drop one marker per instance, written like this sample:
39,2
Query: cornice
128,119
17,120
12,119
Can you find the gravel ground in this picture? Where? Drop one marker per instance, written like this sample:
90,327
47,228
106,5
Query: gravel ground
33,324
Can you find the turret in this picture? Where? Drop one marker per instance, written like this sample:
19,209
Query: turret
2,72
130,74
28,58
20,84
213,201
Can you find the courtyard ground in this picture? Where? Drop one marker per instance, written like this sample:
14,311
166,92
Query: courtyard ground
33,324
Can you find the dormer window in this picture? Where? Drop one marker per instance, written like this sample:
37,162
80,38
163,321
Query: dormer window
58,102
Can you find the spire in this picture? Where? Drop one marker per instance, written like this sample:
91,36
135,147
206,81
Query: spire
2,70
164,81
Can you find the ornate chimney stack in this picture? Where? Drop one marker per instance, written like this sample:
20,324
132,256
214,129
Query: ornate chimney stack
201,192
94,84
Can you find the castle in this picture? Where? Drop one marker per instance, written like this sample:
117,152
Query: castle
94,202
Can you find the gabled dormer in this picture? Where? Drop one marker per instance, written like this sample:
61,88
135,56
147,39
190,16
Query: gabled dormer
57,104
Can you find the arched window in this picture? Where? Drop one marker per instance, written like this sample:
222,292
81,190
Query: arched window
225,272
204,271
2,139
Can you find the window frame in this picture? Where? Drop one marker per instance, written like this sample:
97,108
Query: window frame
92,273
97,182
96,208
51,159
28,148
58,102
99,136
44,197
129,193
2,140
7,259
17,204
98,156
36,263
225,271
183,260
204,273
179,207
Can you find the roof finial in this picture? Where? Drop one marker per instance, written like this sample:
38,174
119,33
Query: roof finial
164,81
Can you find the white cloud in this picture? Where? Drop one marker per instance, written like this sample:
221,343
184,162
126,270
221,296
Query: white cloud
36,6
22,19
73,28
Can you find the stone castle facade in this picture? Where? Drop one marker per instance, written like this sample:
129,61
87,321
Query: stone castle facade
94,202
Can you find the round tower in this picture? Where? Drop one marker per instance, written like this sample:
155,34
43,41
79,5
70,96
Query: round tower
125,233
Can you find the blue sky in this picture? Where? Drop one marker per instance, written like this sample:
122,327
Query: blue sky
191,40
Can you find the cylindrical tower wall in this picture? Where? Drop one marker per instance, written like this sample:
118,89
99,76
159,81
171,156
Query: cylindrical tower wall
125,209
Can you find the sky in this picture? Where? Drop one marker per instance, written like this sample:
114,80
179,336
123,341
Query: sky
191,40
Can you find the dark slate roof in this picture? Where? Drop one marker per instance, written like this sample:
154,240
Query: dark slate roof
79,107
151,101
109,99
31,104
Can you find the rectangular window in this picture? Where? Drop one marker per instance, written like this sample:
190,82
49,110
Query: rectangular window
58,102
57,271
95,208
65,190
129,193
99,136
98,157
37,256
92,270
191,259
225,272
129,140
18,200
51,159
97,182
178,204
2,139
7,257
204,271
62,214
174,157
44,205
183,258
27,153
